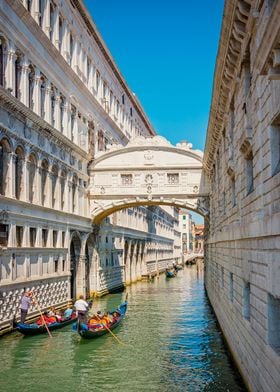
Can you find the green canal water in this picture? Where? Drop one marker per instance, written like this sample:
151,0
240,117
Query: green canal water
172,343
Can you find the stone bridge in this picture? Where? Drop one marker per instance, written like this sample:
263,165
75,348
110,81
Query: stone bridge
148,171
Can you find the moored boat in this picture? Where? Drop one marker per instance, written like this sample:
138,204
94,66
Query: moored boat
170,274
31,329
88,332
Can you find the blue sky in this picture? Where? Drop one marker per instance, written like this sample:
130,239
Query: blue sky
166,50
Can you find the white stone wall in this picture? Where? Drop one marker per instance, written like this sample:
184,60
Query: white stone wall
243,244
62,100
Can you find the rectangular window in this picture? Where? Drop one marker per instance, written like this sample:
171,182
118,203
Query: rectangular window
63,265
4,234
44,237
275,149
231,286
246,301
54,238
56,265
184,217
19,235
63,239
123,99
249,173
32,236
173,178
126,179
273,305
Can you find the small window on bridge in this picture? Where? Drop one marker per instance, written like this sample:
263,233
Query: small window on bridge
246,301
126,179
274,322
173,178
231,286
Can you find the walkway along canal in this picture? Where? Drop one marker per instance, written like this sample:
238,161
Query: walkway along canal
172,344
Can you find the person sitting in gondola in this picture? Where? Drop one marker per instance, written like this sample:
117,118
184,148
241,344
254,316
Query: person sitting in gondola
46,319
68,312
58,315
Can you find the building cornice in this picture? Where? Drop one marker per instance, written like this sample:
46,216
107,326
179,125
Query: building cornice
105,51
233,39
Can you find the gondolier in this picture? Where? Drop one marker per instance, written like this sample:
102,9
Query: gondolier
81,307
25,302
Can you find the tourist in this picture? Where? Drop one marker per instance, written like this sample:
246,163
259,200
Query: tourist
68,312
81,307
25,302
51,312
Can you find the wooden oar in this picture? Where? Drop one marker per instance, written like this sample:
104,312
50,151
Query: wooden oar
42,317
108,329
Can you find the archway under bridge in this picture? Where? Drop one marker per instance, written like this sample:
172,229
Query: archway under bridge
148,171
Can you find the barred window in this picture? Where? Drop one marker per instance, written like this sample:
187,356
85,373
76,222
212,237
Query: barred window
126,179
173,178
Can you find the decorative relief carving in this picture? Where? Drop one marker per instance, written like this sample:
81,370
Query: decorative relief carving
149,155
149,179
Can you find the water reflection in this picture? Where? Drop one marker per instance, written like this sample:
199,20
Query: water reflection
172,343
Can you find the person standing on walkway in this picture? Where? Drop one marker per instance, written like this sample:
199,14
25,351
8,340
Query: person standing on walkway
25,302
81,307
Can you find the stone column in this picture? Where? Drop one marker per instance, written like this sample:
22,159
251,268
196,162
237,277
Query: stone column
80,277
46,21
56,28
35,12
75,61
24,82
25,181
57,112
47,103
37,92
10,68
75,129
69,193
66,41
66,118
12,235
13,175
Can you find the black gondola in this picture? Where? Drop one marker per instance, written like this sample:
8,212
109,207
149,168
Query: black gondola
88,333
35,329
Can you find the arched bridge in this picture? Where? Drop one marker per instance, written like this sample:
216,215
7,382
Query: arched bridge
147,171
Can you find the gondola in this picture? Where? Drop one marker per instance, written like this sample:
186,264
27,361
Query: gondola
170,274
88,333
35,329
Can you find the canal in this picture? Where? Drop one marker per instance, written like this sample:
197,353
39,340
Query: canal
172,343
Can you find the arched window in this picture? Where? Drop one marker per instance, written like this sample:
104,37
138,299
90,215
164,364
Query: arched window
74,193
71,48
5,151
19,158
41,12
17,76
62,190
54,182
42,97
61,108
44,174
60,24
52,107
29,5
32,164
31,87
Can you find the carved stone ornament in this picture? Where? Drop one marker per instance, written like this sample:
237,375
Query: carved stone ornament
4,216
27,131
148,179
149,155
149,189
195,189
11,122
41,140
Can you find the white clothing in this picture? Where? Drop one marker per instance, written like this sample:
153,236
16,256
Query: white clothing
81,305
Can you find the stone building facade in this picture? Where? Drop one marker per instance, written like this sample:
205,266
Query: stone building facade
242,157
63,99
